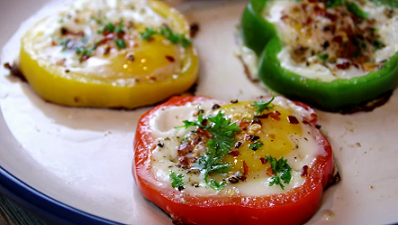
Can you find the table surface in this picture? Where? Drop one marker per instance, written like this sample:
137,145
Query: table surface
12,214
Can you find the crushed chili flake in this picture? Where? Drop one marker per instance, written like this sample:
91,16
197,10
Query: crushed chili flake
170,58
304,171
234,153
263,160
269,172
245,168
292,120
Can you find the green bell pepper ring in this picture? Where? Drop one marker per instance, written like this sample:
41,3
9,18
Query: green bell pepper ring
337,95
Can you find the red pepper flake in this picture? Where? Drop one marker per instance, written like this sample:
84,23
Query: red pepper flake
170,58
275,115
304,171
245,168
292,120
263,160
343,66
107,50
243,178
272,136
308,21
332,17
269,171
234,153
338,39
256,121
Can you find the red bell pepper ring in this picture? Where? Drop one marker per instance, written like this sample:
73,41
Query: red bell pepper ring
295,206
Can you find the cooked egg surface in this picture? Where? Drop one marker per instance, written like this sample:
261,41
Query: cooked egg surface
328,43
137,51
102,38
280,137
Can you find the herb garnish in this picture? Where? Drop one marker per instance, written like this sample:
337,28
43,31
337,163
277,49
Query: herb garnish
334,3
354,9
120,43
223,132
281,169
176,180
149,32
167,33
262,105
256,145
323,57
120,28
109,27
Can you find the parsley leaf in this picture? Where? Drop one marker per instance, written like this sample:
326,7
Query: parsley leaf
223,132
109,27
334,3
323,57
120,43
168,34
354,9
119,28
149,32
378,44
256,145
184,41
281,169
262,105
176,179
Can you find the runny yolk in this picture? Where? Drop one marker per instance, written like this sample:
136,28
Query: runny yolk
157,57
274,131
146,61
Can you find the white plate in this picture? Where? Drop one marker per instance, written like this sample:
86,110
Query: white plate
83,157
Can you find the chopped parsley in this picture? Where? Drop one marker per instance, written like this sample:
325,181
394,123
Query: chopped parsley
282,170
120,29
256,145
354,9
176,180
378,44
120,43
109,27
323,57
85,51
223,132
168,34
334,3
261,106
149,32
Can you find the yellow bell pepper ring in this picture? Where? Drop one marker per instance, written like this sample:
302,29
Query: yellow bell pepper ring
106,57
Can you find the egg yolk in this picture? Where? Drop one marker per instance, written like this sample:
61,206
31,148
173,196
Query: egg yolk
272,128
147,60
